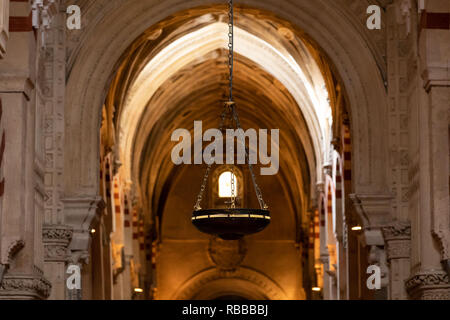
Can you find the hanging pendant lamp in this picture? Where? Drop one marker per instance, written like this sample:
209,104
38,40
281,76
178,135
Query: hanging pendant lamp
231,223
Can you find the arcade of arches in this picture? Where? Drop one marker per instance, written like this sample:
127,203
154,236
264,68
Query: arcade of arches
86,176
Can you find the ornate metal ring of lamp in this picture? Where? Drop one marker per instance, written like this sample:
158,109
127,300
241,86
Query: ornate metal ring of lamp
231,223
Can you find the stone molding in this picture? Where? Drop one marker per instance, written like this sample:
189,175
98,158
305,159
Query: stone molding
7,254
429,285
435,77
13,248
373,207
374,210
17,84
444,237
79,214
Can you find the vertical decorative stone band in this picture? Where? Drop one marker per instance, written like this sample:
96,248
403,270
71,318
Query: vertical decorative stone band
2,151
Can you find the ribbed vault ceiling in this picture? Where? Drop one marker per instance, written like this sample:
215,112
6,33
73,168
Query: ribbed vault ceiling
262,103
151,99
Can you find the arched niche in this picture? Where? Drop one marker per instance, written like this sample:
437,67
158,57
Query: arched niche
211,284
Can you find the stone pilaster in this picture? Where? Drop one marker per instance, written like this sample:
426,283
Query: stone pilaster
375,211
56,239
397,237
51,78
435,71
80,213
430,208
21,248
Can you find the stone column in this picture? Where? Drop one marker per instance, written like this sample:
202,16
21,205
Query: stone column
21,249
21,212
397,237
431,221
430,280
56,239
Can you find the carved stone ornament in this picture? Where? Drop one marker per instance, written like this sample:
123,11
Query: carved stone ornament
398,240
13,248
57,233
56,240
7,256
397,231
432,285
25,286
443,236
227,255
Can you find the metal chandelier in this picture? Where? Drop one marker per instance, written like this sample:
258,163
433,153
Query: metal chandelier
231,223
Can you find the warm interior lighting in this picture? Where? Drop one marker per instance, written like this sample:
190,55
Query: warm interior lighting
225,185
316,289
93,231
310,97
357,228
138,290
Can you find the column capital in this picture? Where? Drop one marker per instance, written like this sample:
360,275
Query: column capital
33,286
397,230
56,240
429,285
398,240
320,187
328,169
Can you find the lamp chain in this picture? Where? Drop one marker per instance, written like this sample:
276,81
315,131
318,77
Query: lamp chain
230,107
231,66
231,47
